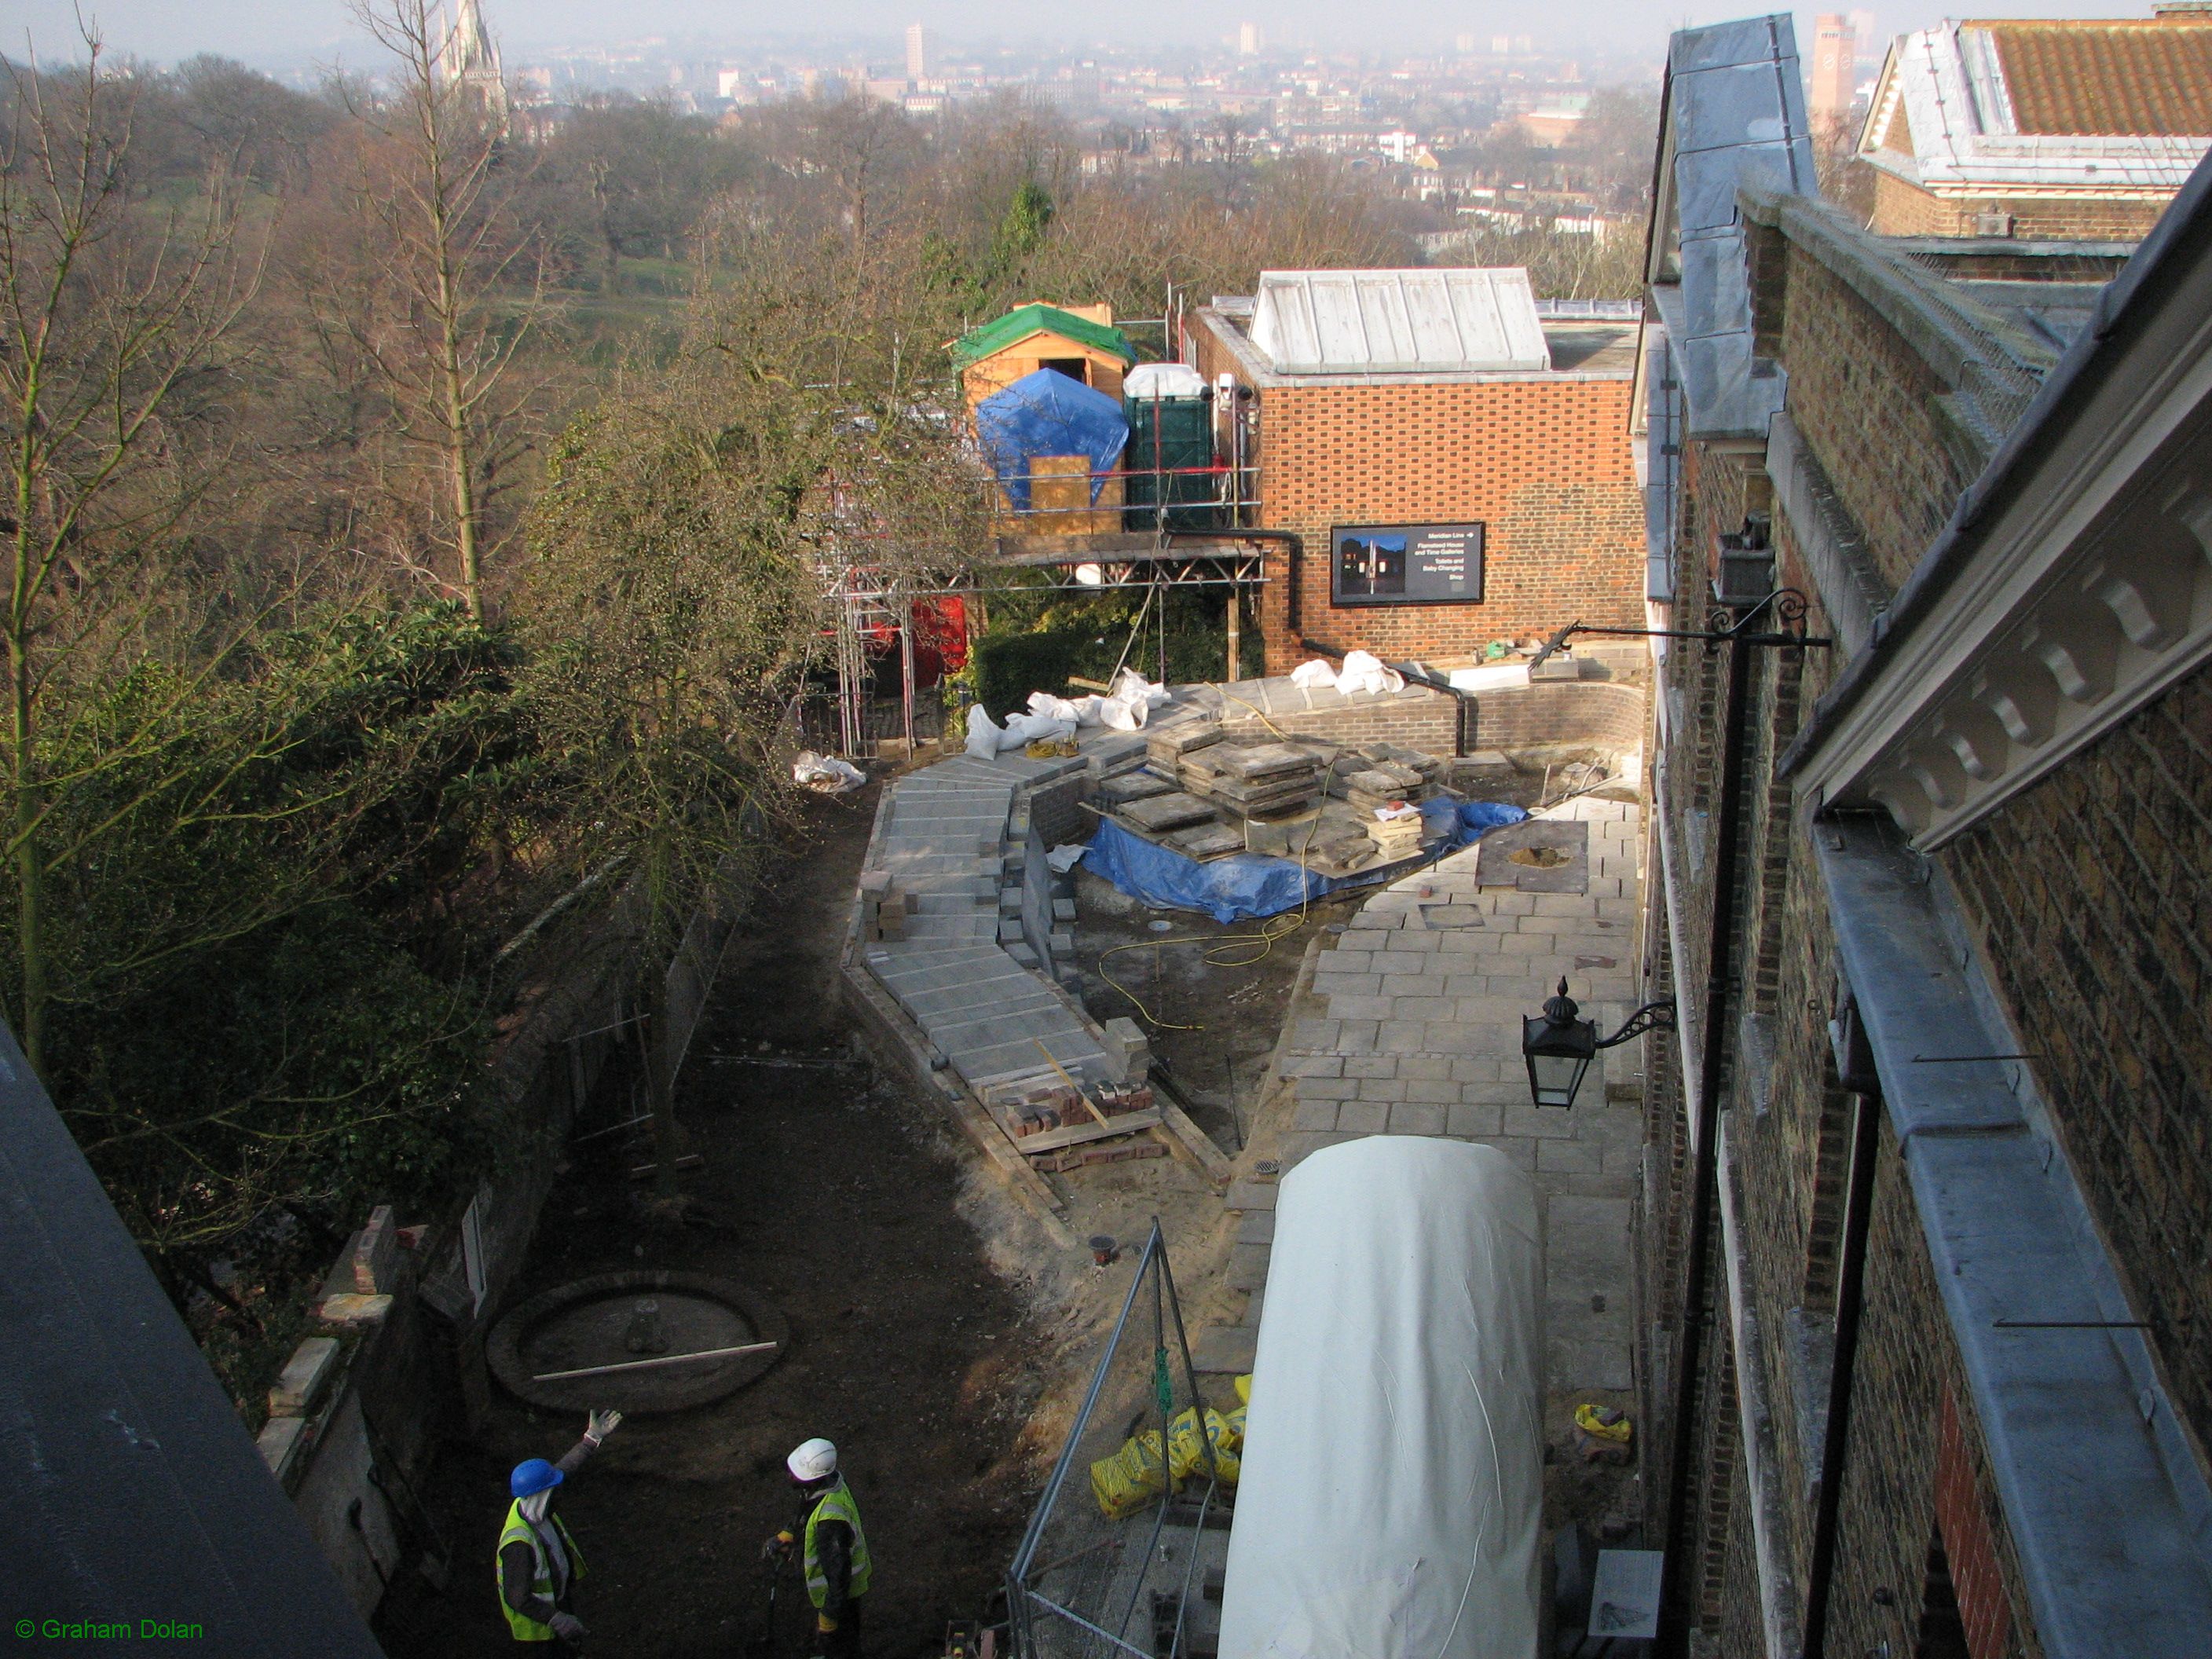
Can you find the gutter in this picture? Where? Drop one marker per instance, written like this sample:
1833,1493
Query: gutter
2121,314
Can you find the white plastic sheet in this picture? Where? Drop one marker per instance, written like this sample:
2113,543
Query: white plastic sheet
826,773
1392,1494
1314,676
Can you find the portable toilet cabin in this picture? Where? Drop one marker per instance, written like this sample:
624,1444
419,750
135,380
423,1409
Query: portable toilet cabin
1170,481
1391,1499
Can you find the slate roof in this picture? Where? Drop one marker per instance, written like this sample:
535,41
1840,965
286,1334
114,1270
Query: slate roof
129,1488
1023,321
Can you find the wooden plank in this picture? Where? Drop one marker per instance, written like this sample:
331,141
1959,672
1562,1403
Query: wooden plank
1075,1135
1187,1141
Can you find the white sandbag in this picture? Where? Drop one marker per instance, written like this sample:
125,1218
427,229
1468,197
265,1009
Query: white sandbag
983,733
1363,671
1132,687
826,773
1076,711
1118,715
1022,730
1315,676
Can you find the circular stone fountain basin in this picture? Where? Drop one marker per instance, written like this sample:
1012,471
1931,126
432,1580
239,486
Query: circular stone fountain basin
600,1320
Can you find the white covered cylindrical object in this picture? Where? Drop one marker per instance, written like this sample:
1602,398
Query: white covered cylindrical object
1391,1498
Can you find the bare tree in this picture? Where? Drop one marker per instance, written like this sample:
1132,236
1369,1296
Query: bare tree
113,326
444,343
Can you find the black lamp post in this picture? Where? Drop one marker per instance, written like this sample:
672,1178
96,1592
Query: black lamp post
1559,1046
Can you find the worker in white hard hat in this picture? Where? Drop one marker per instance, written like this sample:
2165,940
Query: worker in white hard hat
832,1548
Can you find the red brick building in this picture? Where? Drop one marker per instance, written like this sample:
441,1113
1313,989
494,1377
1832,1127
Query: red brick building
2044,130
1923,1219
1471,454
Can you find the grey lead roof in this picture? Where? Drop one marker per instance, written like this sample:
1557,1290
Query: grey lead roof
1736,116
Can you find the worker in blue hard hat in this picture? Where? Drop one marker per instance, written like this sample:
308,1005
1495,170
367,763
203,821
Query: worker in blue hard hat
539,1562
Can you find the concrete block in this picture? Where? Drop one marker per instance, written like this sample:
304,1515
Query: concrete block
309,1370
1257,1228
1250,1196
1063,909
1315,1114
1471,1120
282,1442
1440,1092
1022,953
1363,1117
1128,1055
1009,931
353,1310
1363,1066
1248,1267
1225,1350
1416,1118
376,1253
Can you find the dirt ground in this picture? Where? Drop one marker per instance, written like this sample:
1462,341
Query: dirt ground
832,1194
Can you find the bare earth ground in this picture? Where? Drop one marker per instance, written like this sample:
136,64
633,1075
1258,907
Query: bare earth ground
835,1194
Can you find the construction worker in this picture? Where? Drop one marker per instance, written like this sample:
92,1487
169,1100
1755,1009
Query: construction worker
833,1548
539,1562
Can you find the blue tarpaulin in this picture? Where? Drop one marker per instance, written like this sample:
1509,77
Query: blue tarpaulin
1047,413
1252,884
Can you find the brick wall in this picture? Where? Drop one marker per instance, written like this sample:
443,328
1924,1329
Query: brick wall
1868,407
1902,209
2113,987
1543,463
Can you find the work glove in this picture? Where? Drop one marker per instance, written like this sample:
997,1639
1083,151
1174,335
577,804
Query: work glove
599,1426
568,1626
777,1547
824,1624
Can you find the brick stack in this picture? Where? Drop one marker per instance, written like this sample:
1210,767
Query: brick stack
884,906
1395,838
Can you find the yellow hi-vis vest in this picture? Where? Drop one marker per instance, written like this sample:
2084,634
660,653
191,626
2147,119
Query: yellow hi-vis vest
518,1530
836,1505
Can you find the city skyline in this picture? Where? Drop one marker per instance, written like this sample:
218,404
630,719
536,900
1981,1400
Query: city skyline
294,33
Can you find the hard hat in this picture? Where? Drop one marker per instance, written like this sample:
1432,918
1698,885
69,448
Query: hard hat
533,1476
817,1460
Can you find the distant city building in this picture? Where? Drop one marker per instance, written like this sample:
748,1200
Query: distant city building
1833,81
2081,129
1250,39
918,51
470,60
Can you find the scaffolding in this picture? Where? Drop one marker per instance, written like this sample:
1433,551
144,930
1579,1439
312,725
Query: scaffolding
1076,1585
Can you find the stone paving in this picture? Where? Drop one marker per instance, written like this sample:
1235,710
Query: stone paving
946,836
1425,991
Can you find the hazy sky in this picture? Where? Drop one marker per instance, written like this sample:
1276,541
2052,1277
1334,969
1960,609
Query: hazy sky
270,33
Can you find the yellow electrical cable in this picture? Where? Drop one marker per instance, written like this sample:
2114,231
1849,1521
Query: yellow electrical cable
1264,939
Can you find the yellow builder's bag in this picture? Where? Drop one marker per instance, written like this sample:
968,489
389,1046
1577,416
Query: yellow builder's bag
1186,1453
1133,1476
1244,1389
1234,1424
